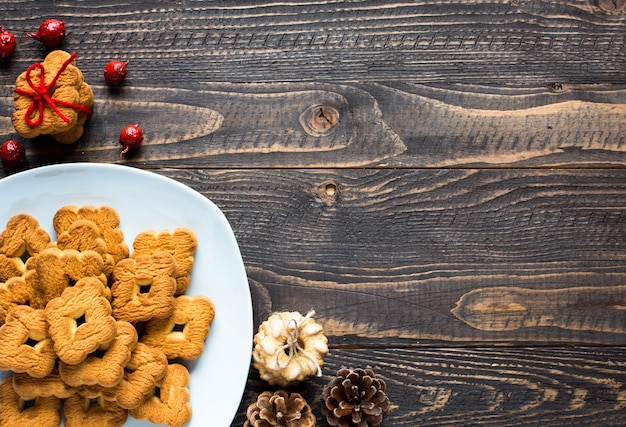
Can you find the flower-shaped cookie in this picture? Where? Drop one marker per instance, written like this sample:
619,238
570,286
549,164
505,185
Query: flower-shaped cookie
52,98
15,291
74,133
25,343
183,333
169,402
80,320
10,267
92,411
143,287
21,239
105,218
16,411
145,369
84,235
23,234
58,269
181,243
105,366
51,385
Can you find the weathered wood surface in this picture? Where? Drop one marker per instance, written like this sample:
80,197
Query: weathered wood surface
415,272
491,386
388,125
510,42
456,256
444,181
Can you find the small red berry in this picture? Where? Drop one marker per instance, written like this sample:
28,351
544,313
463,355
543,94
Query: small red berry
12,153
130,137
115,72
51,33
7,44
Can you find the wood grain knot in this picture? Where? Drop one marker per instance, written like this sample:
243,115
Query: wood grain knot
327,193
319,120
556,87
331,189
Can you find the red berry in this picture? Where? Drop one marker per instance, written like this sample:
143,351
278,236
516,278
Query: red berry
51,33
7,44
12,153
115,72
130,137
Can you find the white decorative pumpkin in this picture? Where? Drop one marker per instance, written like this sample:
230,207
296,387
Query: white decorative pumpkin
288,348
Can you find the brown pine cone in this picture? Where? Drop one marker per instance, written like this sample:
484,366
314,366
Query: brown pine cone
280,409
355,398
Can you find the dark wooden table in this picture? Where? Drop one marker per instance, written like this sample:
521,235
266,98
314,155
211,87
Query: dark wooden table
443,182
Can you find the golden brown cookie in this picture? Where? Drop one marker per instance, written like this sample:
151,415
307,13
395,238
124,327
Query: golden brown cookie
143,287
104,367
85,97
10,267
80,320
145,369
52,98
181,243
184,332
169,402
84,235
25,343
18,412
59,269
23,234
51,385
93,411
105,218
21,239
15,291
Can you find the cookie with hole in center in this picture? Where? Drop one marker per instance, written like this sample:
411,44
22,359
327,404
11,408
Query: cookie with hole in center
15,291
143,287
80,320
21,239
181,243
105,366
84,235
169,402
25,342
145,369
106,219
18,412
58,270
184,332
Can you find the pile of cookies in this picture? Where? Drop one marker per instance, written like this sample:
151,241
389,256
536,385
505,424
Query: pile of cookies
94,331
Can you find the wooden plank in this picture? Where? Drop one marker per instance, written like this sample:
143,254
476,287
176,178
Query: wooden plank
432,256
374,125
461,125
499,43
483,386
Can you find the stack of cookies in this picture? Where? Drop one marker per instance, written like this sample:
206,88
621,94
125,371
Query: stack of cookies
93,330
52,98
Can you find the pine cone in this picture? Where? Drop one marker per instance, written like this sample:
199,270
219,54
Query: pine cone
355,398
280,409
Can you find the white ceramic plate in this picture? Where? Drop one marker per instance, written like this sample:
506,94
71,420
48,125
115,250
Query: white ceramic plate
147,201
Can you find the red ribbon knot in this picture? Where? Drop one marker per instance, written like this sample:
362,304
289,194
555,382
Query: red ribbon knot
41,94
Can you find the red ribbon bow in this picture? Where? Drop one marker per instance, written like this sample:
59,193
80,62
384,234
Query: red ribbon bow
41,95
